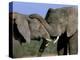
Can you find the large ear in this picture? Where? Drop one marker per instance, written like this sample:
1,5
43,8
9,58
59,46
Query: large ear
72,25
22,26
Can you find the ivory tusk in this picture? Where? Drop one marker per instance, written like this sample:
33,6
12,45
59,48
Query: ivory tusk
56,39
49,40
47,44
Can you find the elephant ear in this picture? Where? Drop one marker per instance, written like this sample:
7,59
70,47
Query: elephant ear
23,26
72,21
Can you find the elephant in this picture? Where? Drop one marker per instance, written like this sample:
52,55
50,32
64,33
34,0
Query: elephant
65,24
24,29
59,24
62,23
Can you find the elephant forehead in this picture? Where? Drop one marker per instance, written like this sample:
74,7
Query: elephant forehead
56,19
53,18
34,24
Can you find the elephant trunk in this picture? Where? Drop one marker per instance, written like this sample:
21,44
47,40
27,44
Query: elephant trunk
56,39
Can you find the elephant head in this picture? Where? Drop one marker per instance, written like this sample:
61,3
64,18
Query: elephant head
63,19
28,28
25,28
37,29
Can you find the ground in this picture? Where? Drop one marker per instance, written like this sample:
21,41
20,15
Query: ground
31,50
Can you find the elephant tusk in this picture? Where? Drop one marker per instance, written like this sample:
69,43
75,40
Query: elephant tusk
47,44
49,40
56,39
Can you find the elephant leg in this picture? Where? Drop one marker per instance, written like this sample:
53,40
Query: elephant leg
42,47
60,47
62,44
65,47
73,44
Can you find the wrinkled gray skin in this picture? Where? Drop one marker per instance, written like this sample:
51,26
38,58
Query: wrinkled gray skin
30,28
26,29
57,22
60,21
65,20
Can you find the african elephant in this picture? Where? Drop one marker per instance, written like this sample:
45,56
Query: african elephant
26,29
62,22
65,24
